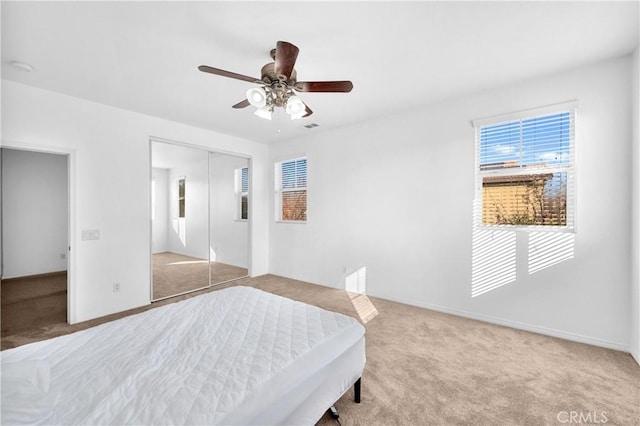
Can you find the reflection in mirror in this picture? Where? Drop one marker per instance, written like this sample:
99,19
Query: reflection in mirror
180,219
229,214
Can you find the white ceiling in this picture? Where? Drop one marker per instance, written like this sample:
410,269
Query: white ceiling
143,56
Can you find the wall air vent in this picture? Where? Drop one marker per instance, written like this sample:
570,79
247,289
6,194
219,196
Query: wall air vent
311,126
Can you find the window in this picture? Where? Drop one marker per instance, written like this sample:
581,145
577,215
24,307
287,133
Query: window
181,198
291,190
242,191
525,169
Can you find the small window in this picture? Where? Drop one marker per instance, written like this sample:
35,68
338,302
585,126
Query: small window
525,171
291,190
242,191
181,197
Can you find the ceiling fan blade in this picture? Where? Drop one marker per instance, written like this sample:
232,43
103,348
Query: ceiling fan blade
242,104
308,111
324,86
286,54
223,73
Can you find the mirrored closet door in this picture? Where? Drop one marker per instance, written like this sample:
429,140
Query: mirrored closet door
199,217
229,217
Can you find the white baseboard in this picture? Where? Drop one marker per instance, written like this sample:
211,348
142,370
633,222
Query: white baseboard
574,337
514,324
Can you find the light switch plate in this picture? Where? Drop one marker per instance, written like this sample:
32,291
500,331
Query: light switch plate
90,234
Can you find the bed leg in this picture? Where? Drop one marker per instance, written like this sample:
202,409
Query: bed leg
356,390
334,413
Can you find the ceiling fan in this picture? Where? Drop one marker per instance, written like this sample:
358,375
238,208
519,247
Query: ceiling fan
277,84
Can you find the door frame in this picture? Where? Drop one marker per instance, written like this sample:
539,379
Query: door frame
71,215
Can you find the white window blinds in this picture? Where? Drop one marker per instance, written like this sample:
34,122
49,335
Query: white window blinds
242,179
543,142
294,174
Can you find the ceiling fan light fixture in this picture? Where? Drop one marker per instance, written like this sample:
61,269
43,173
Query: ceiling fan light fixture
298,115
295,107
263,112
257,97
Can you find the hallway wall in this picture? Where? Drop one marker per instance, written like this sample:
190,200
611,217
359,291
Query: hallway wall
34,213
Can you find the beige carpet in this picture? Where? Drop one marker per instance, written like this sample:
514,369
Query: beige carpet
33,302
175,273
428,368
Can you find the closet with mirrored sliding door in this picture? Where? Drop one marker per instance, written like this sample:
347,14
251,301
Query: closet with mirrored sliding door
199,218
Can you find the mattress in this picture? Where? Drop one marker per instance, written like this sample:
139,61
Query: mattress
233,356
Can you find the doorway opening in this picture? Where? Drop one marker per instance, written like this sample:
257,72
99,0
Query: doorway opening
34,273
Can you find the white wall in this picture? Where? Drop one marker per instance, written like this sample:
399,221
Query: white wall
635,211
190,235
229,235
109,155
395,195
160,223
34,213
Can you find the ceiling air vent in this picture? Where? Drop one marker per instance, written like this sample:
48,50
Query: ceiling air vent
311,126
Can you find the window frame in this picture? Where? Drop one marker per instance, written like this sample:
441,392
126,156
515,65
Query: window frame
570,169
182,197
240,194
280,191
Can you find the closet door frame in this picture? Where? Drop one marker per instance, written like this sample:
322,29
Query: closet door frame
208,151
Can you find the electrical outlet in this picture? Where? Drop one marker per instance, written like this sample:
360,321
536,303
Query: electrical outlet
116,287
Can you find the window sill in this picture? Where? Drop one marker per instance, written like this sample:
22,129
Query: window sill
292,221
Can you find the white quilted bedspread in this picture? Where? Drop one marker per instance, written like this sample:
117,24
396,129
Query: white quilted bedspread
191,362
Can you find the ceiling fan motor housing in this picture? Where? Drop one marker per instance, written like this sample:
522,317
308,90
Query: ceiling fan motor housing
268,75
